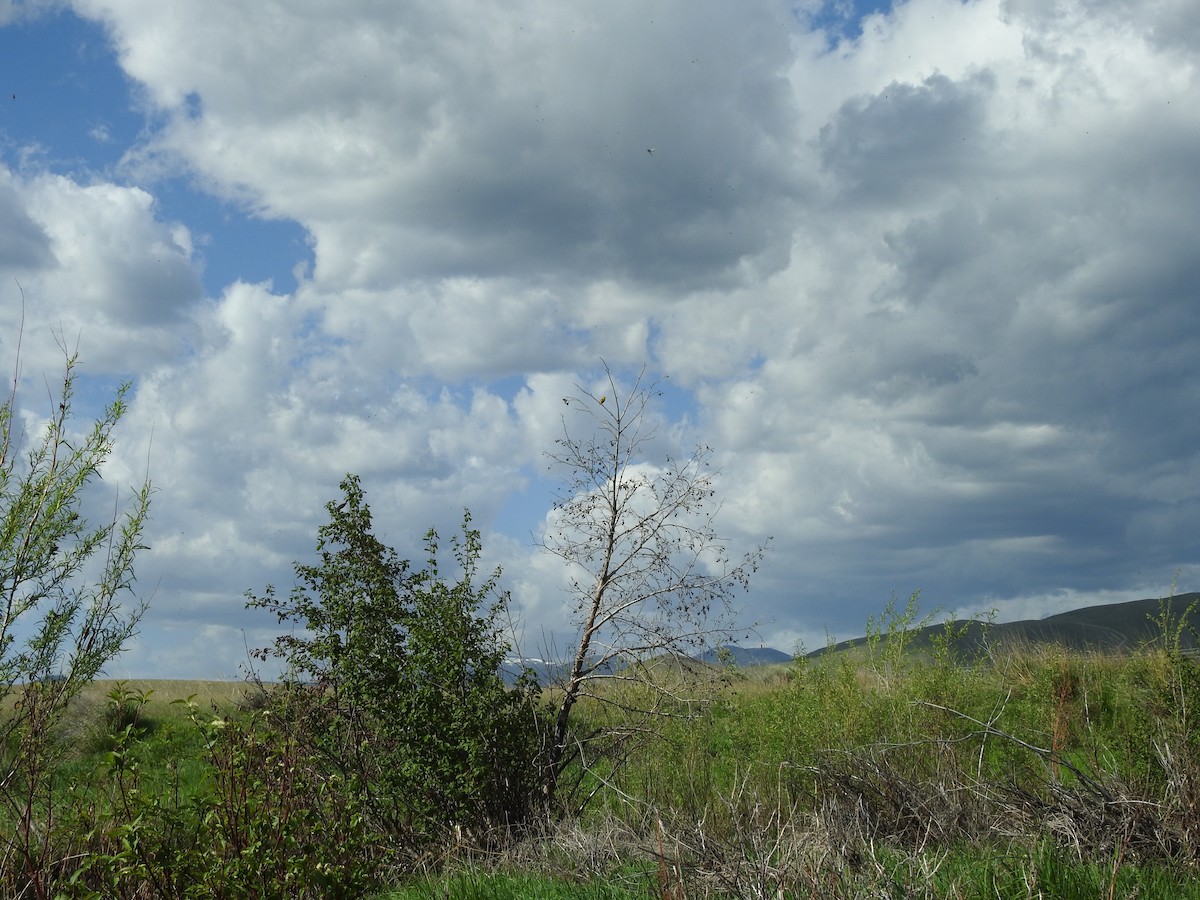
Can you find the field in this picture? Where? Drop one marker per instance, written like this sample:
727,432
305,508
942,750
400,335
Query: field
878,773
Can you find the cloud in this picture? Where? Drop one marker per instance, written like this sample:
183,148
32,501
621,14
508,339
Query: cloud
439,142
96,267
908,142
24,245
929,291
988,342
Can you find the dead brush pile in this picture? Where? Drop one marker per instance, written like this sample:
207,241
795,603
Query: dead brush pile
889,793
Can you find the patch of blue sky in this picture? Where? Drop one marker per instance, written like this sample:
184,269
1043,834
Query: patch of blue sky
234,244
93,393
66,105
79,120
841,20
507,387
525,506
528,501
677,403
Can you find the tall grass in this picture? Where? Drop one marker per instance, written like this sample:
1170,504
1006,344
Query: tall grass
478,885
1027,772
951,777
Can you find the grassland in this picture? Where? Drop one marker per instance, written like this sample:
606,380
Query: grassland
877,773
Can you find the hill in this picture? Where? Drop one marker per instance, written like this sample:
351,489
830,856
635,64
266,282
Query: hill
1109,628
745,656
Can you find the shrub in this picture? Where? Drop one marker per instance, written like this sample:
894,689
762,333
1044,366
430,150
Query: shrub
268,822
395,675
62,583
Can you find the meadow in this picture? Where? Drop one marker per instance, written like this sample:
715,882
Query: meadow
881,772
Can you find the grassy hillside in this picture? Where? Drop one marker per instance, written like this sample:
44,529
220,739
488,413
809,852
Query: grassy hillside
1108,628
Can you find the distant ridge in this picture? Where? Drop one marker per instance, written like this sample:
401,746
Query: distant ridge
1108,628
547,672
745,656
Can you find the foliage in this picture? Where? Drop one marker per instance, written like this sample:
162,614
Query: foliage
651,581
1051,771
264,823
397,674
62,583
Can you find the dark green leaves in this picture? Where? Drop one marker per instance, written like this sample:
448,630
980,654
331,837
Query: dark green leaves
403,672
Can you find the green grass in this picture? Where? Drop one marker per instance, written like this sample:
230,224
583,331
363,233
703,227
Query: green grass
166,744
1043,871
908,762
470,885
844,776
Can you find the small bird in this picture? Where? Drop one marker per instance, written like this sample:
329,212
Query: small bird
650,150
602,399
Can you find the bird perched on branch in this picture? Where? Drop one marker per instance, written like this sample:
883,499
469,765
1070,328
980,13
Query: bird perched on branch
602,399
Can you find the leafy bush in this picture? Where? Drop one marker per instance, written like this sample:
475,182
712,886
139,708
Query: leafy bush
265,822
62,583
396,677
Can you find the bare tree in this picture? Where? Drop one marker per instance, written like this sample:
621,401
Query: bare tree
652,582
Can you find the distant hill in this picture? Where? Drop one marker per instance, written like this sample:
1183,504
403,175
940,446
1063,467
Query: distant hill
745,656
1109,628
548,672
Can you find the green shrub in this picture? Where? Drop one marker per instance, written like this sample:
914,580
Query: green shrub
395,678
62,585
265,823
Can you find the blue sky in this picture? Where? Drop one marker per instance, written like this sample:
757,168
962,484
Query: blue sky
922,275
72,108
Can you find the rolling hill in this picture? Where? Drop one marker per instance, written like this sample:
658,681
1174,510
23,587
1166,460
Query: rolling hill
1109,628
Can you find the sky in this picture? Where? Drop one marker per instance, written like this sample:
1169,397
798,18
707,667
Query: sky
925,276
